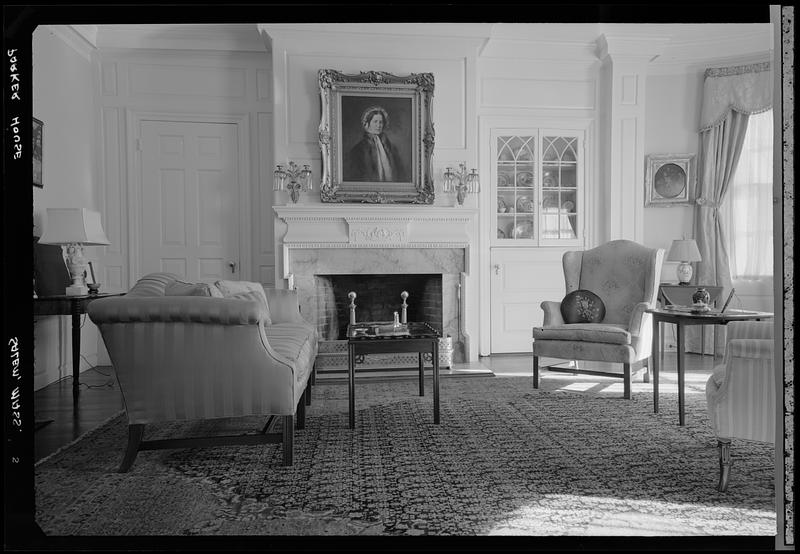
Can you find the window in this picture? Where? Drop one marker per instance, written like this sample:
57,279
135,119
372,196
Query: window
747,209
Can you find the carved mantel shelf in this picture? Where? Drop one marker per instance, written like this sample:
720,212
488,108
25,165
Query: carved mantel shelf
357,226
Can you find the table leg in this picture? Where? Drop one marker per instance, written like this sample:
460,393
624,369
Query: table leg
436,380
351,377
681,366
703,341
76,350
421,375
655,361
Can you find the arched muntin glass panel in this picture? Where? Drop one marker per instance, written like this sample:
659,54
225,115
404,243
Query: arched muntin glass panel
516,202
559,188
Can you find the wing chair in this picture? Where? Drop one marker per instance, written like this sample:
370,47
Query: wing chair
184,351
625,276
741,391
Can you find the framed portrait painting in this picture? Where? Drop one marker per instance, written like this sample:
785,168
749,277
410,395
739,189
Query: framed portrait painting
376,137
37,153
669,180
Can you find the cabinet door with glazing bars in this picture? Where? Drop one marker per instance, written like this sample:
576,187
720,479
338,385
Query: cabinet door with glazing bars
515,176
560,206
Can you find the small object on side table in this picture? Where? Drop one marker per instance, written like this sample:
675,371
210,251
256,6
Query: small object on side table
701,296
94,288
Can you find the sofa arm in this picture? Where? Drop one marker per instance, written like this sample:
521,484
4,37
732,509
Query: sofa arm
284,306
552,313
193,309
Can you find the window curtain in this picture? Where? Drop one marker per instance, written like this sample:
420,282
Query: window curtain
730,95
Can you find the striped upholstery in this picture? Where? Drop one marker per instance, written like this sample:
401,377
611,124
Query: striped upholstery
741,391
194,357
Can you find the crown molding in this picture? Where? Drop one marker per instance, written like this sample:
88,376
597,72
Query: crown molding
81,38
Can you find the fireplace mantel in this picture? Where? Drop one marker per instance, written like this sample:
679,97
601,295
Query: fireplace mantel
370,226
365,238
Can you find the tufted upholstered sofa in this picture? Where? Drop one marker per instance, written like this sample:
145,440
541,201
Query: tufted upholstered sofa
184,351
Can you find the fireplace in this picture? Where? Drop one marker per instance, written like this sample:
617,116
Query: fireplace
378,252
378,297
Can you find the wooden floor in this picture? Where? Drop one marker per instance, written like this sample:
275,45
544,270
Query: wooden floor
100,398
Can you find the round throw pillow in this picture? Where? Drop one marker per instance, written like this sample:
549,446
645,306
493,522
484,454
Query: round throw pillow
582,306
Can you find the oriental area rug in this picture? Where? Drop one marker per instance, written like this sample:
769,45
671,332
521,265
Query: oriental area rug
505,460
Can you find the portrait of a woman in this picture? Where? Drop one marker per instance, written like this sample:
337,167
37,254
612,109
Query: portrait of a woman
374,157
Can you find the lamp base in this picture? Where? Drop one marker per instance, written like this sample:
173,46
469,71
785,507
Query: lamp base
684,272
77,290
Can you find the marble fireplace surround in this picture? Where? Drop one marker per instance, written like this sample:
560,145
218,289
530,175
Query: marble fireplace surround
324,239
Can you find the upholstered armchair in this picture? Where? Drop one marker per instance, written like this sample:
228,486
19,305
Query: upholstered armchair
741,391
185,351
624,275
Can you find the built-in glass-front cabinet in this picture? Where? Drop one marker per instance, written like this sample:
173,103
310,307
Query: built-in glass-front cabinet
537,178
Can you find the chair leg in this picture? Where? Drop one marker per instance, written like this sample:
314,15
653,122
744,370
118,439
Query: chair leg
627,381
135,434
648,374
288,439
724,446
301,411
535,371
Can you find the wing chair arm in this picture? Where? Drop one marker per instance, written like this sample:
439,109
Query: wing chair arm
747,362
756,349
170,309
638,319
552,313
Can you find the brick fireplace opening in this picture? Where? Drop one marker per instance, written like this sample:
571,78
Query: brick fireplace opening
378,297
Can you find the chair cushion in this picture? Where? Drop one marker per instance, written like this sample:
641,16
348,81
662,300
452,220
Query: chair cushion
235,288
584,332
582,306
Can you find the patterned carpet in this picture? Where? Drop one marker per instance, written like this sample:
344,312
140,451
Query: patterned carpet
505,460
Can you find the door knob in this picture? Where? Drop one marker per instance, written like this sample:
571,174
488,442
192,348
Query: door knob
232,265
497,269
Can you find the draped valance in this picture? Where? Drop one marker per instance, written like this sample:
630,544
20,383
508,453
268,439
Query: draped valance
745,88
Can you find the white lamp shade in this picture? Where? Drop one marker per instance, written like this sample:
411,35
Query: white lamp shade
684,251
73,225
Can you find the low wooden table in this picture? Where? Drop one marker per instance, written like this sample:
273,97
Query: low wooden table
681,319
381,338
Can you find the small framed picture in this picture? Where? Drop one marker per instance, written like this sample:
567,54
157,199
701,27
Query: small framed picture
38,128
669,180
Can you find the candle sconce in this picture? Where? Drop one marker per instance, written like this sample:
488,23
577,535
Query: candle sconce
294,179
461,182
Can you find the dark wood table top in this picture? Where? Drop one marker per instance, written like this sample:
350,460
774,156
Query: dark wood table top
383,330
707,318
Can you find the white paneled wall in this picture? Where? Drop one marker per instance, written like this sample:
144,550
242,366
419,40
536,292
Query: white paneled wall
184,85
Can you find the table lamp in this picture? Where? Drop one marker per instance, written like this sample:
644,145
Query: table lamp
684,251
74,227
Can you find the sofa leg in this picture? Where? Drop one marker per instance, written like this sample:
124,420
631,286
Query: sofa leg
301,412
288,439
647,374
724,446
307,393
626,370
135,434
535,371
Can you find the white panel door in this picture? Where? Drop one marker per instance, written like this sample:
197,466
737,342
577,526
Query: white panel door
190,200
522,278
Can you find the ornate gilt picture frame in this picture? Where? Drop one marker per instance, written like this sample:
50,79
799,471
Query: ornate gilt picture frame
376,137
669,180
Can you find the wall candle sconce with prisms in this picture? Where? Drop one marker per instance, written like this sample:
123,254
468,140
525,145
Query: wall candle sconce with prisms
294,179
461,182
